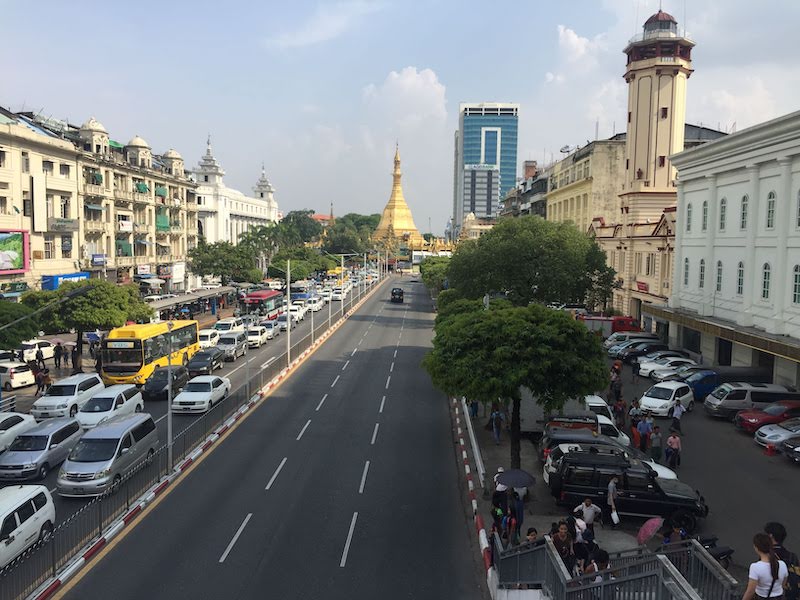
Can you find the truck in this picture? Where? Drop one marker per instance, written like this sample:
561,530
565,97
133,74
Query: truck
605,326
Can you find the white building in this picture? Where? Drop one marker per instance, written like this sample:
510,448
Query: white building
736,287
226,213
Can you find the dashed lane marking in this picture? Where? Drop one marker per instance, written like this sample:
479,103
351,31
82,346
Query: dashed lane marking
363,478
235,538
383,400
343,562
303,430
321,402
374,434
334,381
275,474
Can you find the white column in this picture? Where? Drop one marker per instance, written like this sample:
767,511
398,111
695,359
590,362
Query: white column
710,283
677,265
782,281
752,278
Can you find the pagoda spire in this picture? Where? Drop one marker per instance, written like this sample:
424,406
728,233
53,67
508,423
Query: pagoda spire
396,220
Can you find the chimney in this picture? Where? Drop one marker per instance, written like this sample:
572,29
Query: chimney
530,168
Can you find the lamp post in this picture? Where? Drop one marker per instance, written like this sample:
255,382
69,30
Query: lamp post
289,321
364,276
341,283
170,326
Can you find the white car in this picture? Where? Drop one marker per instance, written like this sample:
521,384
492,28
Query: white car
315,304
27,515
338,294
208,338
608,429
271,325
777,433
121,399
256,336
660,399
15,375
671,362
549,468
302,306
201,393
297,313
326,295
13,424
30,348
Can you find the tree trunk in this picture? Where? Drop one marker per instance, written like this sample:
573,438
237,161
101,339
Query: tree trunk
516,462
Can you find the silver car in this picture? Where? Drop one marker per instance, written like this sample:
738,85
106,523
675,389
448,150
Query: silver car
32,454
776,434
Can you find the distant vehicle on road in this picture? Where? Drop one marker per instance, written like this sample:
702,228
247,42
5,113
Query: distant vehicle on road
397,295
269,303
751,420
606,326
205,362
30,348
256,336
285,321
272,328
661,398
13,424
201,394
208,338
38,450
778,433
66,396
157,385
15,375
115,400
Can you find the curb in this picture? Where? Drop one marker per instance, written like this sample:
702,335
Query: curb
150,495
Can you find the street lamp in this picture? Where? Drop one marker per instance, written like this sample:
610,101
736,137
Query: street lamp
170,326
289,321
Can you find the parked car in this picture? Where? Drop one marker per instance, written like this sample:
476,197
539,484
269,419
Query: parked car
115,400
233,344
397,295
201,393
13,424
676,373
599,406
553,435
625,336
157,385
655,355
208,338
31,347
628,355
15,375
609,429
9,356
206,362
751,420
615,351
32,454
706,381
27,516
228,325
666,362
791,448
256,336
729,398
66,396
271,326
661,398
776,434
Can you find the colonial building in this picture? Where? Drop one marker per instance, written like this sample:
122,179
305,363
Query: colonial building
472,227
397,223
736,291
529,197
226,213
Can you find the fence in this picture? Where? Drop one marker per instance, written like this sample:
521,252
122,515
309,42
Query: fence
56,549
8,403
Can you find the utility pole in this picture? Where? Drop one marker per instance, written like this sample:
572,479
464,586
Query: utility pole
170,326
289,322
341,282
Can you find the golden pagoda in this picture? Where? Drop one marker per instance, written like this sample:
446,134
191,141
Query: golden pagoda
396,220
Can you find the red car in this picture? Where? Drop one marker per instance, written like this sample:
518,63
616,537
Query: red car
751,420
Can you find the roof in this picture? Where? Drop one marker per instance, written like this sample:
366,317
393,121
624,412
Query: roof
203,379
660,16
116,425
49,426
138,142
114,389
171,153
669,384
14,494
93,125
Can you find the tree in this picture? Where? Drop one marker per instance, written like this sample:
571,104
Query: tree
49,321
12,337
305,261
299,227
489,355
224,260
434,272
342,238
532,260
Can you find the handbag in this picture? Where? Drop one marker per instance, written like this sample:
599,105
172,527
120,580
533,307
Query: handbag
615,519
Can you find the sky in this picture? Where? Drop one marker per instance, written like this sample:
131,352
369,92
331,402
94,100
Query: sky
321,91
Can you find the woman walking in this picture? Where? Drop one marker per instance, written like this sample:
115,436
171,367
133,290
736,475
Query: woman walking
768,574
674,450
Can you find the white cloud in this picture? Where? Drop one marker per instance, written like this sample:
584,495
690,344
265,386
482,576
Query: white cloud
408,98
553,77
329,21
574,48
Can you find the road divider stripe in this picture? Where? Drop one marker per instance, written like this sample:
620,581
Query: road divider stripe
374,434
363,478
235,538
388,379
343,562
321,402
391,367
303,430
383,400
345,365
275,474
334,381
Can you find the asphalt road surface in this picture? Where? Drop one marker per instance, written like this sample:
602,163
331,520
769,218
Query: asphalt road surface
343,484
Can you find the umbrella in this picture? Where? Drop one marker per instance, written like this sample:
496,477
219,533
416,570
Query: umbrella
57,341
649,529
515,478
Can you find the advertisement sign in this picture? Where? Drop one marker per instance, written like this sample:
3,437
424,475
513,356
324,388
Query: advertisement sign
14,248
143,270
642,286
59,224
52,282
178,271
99,260
164,271
125,226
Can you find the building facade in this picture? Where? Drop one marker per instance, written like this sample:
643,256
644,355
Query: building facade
736,290
485,160
529,197
226,213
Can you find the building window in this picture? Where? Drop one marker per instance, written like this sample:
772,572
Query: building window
65,207
743,218
629,116
662,160
688,217
740,279
47,167
26,163
702,273
63,170
49,246
66,246
796,289
723,209
27,204
704,221
2,159
685,272
205,178
3,205
628,164
771,210
765,276
719,275
664,112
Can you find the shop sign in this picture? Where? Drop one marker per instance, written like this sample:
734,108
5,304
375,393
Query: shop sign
642,286
143,270
99,260
59,224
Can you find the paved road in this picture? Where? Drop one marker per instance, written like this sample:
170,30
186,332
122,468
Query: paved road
342,484
743,487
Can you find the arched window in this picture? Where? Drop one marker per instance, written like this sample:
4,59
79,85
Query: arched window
796,288
719,275
740,279
688,217
743,218
685,272
723,209
765,277
770,210
704,221
702,273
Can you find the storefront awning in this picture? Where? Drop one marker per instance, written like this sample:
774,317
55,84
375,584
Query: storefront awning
115,144
155,282
93,207
144,243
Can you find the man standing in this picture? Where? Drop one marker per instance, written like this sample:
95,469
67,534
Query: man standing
656,444
588,512
40,358
777,533
58,352
644,427
611,499
75,359
497,424
677,413
674,450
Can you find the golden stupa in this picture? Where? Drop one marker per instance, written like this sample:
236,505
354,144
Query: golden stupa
396,220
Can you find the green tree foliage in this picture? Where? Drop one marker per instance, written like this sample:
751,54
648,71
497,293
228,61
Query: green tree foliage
224,260
305,262
434,272
12,337
533,260
489,355
350,234
298,228
50,321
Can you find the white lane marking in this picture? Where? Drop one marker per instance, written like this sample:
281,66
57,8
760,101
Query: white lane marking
334,381
363,478
359,343
343,562
388,379
353,353
53,491
391,367
275,474
395,353
374,434
266,364
321,401
345,365
303,430
235,537
383,400
159,419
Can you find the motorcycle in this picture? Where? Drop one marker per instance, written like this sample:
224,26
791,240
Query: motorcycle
722,554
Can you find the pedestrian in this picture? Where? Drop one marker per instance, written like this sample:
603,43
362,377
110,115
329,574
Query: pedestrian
677,413
588,511
674,450
675,534
563,543
768,574
39,379
611,500
616,384
473,409
75,359
619,409
600,563
635,413
636,438
518,507
496,419
532,535
21,356
644,428
47,381
777,533
656,444
58,352
40,358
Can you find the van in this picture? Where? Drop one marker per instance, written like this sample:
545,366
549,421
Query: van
533,417
27,516
315,303
66,396
233,344
226,325
122,399
729,398
32,454
208,338
15,375
705,382
624,336
103,456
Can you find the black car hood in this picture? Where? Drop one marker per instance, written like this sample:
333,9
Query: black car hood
198,364
677,489
153,386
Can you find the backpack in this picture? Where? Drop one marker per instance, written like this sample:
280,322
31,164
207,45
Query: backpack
793,580
497,419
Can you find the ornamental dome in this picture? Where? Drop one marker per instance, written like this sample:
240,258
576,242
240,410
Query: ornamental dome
661,16
138,142
93,125
171,153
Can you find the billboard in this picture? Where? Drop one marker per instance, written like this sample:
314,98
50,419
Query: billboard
14,251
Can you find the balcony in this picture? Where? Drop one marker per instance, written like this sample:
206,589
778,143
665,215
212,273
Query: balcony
92,189
125,261
123,195
191,231
165,258
93,226
139,198
191,206
141,228
124,226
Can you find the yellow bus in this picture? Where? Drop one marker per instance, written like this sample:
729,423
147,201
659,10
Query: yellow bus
131,353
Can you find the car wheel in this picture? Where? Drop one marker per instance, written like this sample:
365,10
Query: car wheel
7,386
690,408
44,470
685,520
46,532
150,454
73,410
115,484
184,360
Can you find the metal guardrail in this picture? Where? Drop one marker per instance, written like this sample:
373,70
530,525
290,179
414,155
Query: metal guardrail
8,403
48,556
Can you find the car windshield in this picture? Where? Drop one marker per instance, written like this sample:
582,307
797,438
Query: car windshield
27,443
223,326
61,390
200,358
226,341
663,360
28,346
659,393
775,410
695,377
792,425
204,337
720,392
282,318
97,404
93,450
197,386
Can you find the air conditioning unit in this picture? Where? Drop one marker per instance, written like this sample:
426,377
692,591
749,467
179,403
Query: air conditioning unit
38,254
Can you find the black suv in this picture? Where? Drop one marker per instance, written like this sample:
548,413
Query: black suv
155,388
397,295
206,362
586,475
